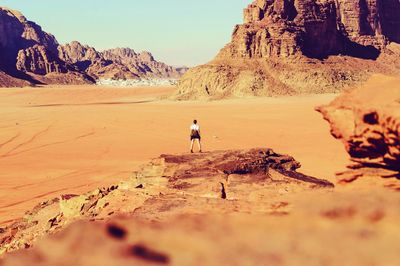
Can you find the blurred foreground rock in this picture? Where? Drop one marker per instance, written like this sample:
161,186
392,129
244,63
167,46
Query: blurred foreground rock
367,121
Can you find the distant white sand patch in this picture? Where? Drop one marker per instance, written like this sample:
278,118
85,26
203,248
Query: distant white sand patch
136,82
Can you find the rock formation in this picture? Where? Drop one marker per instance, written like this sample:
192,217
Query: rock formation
31,56
192,183
300,46
38,60
367,121
219,208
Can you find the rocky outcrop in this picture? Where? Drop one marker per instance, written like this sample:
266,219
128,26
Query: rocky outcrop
218,208
171,185
75,52
300,46
29,54
367,121
119,63
38,60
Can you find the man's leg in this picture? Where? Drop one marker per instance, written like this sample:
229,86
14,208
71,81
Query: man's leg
191,145
199,144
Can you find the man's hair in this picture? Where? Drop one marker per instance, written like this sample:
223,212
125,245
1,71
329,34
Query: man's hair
195,121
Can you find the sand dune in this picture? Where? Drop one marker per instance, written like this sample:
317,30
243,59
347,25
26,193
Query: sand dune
62,140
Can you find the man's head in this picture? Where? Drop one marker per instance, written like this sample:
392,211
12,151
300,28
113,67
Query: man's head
195,121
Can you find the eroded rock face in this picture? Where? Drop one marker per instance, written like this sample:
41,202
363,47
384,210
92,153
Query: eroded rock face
332,26
299,46
38,60
367,121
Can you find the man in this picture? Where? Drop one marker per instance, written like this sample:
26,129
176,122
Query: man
195,135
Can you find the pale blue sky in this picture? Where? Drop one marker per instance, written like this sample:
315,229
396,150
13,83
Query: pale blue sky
178,32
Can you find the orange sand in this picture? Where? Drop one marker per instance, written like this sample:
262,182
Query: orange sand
73,139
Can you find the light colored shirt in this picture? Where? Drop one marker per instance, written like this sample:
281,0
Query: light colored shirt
195,127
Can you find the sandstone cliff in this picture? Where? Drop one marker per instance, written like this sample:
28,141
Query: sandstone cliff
301,46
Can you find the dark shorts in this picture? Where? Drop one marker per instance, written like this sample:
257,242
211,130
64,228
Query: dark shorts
195,137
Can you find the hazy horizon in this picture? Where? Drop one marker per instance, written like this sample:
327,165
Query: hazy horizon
174,31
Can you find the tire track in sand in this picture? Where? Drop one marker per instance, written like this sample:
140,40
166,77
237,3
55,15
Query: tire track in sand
9,140
14,151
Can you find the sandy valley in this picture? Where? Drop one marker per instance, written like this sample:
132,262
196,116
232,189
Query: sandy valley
73,139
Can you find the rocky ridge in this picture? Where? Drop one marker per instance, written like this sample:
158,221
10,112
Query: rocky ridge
301,46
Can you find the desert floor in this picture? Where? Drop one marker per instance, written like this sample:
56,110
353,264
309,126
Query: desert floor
62,140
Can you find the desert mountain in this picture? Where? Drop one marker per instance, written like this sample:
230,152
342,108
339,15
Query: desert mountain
118,63
301,46
31,56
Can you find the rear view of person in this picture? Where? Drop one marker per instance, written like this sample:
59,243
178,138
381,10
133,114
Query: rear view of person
195,135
